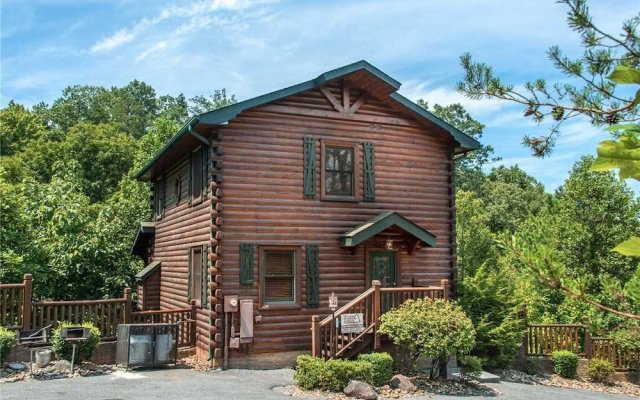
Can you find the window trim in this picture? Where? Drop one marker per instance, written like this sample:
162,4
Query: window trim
192,275
159,197
356,171
196,199
297,278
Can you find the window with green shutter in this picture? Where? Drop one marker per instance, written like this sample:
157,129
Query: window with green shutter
189,275
246,263
205,276
369,172
195,275
309,167
312,272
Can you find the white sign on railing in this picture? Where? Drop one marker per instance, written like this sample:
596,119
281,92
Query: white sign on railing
351,323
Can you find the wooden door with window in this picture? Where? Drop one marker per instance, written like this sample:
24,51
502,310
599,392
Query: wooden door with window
382,267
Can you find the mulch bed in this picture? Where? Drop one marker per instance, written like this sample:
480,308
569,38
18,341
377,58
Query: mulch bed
623,388
55,370
426,387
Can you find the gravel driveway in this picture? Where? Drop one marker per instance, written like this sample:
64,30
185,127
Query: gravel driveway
173,384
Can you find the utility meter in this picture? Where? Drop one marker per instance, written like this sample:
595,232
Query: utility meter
231,303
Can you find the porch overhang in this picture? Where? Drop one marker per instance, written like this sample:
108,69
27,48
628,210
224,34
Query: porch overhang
146,231
148,271
384,221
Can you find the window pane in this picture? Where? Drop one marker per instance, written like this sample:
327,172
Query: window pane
279,276
196,275
339,183
196,173
339,159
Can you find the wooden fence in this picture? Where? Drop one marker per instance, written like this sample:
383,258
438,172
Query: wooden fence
19,312
544,339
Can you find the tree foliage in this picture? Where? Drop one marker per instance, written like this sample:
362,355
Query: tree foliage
590,92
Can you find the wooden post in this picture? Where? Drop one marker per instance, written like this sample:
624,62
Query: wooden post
588,349
524,316
126,311
377,311
445,288
315,336
194,318
26,303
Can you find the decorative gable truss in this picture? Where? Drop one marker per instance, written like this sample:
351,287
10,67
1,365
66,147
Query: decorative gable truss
344,106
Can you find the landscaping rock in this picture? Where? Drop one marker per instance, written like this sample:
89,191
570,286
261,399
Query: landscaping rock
63,367
360,390
403,383
17,366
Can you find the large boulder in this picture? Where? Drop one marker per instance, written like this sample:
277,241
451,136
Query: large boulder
360,390
403,383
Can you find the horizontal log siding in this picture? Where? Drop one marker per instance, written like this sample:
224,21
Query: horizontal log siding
181,228
264,203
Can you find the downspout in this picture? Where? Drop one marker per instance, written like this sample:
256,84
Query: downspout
196,134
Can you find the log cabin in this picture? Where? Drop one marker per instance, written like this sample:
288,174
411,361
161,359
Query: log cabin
264,209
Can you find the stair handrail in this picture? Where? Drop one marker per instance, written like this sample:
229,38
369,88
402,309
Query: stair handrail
347,306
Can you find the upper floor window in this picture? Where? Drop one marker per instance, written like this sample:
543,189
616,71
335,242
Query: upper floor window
158,197
339,171
198,174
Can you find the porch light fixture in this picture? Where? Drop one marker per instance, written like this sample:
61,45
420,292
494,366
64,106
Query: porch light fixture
388,244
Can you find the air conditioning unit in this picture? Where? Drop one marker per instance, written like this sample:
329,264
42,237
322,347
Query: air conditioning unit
147,344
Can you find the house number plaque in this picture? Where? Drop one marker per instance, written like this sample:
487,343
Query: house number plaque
351,323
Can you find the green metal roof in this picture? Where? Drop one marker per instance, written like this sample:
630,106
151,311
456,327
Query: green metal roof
383,221
145,231
148,270
225,114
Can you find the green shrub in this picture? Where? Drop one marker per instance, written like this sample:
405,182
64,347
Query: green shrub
627,339
600,370
332,375
471,366
85,349
565,363
382,365
437,329
7,341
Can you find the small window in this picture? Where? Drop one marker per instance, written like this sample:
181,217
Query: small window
158,197
196,274
197,170
339,171
279,276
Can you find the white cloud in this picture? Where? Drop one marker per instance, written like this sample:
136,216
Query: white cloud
151,51
111,42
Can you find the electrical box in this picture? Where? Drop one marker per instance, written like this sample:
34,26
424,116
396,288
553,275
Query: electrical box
231,303
246,321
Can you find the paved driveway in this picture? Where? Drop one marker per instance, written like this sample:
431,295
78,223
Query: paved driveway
175,384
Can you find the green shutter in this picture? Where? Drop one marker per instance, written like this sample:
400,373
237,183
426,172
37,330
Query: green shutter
205,170
246,263
309,167
369,172
190,195
205,276
188,274
313,285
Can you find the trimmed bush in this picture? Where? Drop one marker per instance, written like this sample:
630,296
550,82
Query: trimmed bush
382,365
85,348
600,370
7,341
565,363
471,366
332,375
436,329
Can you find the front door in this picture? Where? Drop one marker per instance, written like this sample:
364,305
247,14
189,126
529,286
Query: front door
382,267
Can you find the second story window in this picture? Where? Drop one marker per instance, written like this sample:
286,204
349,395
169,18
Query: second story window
158,197
197,174
339,171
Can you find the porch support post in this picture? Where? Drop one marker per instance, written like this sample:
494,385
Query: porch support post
27,293
315,336
376,313
126,310
588,348
445,288
194,318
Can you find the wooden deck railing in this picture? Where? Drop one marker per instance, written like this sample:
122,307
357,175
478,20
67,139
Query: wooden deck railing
544,339
185,318
327,339
105,314
15,303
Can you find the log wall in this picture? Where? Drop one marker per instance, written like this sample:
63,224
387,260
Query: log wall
262,188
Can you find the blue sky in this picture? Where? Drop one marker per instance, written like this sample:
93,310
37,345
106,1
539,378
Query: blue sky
253,47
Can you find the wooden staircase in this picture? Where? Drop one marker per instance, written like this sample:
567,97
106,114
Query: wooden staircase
327,337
